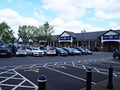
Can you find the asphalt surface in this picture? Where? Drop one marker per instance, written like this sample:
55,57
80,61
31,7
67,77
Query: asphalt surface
63,73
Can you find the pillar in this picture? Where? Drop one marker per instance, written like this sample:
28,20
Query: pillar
58,43
102,48
89,44
77,44
71,44
119,46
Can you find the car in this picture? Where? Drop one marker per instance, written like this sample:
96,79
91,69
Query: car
49,51
5,50
29,51
77,52
36,51
21,51
82,50
70,52
116,54
87,50
61,52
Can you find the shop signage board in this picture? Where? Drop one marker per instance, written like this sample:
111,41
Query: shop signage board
111,37
65,38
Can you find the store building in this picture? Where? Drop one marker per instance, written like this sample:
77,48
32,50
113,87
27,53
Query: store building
103,40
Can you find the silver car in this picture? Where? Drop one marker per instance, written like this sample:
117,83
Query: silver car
49,51
21,51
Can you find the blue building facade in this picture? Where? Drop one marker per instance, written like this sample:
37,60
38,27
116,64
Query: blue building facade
103,40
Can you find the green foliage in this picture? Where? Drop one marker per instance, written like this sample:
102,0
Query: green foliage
6,34
43,32
47,31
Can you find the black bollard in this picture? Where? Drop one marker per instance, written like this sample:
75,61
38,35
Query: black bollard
110,78
42,79
89,79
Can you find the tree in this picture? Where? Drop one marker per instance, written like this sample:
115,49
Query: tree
6,34
47,31
27,32
43,32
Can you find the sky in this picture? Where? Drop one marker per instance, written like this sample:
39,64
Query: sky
64,15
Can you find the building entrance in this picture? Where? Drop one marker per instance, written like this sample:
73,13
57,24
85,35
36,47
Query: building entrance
110,46
65,44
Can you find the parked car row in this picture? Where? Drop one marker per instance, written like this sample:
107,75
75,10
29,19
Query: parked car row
36,51
64,51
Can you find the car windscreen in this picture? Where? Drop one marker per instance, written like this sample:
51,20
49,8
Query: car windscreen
69,49
21,48
74,49
60,49
3,46
35,49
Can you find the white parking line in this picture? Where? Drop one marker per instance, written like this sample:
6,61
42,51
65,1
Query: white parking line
19,85
8,78
16,85
68,75
26,79
84,67
73,64
96,69
32,66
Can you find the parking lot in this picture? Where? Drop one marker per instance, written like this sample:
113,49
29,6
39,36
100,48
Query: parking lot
67,73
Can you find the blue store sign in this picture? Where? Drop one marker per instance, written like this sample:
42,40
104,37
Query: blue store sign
65,38
111,37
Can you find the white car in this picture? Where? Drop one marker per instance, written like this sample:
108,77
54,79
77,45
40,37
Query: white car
21,51
49,51
37,51
29,51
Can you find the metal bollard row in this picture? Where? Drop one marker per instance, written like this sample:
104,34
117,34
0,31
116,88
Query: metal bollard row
89,78
42,79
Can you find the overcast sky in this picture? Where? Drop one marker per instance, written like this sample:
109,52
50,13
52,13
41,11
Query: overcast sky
64,15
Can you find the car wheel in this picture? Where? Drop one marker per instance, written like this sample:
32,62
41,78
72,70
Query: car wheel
32,54
45,54
58,54
9,56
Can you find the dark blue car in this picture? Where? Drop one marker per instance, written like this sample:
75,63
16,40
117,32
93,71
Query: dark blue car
116,54
5,50
61,52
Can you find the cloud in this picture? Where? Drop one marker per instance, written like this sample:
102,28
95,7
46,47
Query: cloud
74,9
38,13
28,4
9,0
13,19
74,26
113,25
64,8
109,10
67,14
